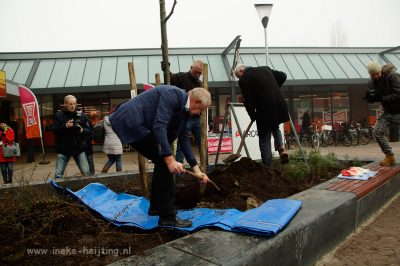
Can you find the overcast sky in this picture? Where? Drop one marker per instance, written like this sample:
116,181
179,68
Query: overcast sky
61,25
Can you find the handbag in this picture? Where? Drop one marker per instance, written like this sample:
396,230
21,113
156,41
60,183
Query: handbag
12,150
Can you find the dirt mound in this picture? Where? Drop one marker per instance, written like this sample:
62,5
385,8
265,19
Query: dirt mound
39,228
239,181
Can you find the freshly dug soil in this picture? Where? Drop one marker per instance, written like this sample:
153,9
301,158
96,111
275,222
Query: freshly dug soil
58,230
241,180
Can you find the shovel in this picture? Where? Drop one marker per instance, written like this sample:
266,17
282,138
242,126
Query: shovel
199,177
233,157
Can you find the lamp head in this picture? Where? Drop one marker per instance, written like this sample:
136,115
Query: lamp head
264,12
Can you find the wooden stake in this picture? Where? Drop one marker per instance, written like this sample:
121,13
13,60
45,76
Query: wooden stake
158,81
141,160
203,144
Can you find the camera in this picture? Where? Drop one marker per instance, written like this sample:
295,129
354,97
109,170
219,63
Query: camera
373,95
77,121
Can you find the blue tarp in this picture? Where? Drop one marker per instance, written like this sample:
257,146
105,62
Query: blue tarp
129,210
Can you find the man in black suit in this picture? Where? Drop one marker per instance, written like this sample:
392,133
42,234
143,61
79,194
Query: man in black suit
265,104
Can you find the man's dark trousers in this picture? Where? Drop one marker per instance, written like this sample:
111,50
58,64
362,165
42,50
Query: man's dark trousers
162,187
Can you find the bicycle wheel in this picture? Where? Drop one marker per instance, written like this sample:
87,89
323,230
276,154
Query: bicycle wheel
354,138
315,141
364,137
327,138
346,139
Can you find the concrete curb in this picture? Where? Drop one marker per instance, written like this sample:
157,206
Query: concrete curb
324,221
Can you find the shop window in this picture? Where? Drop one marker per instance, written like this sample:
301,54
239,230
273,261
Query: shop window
322,106
96,106
340,105
46,112
302,101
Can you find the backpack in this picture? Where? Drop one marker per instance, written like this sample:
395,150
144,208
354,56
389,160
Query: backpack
99,132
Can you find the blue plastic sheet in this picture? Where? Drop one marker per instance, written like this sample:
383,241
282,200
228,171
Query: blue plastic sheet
129,210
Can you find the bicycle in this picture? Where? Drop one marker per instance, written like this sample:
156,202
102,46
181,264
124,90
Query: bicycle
289,140
311,137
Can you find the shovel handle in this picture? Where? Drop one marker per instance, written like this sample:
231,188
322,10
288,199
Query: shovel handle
200,177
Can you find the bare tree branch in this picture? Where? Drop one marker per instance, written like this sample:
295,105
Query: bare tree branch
172,11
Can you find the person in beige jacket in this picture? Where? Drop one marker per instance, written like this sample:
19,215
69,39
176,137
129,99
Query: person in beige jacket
112,147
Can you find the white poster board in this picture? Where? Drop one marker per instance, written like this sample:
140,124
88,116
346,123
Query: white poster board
252,136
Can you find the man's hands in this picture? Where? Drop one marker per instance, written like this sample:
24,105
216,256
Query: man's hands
204,177
173,166
70,123
177,168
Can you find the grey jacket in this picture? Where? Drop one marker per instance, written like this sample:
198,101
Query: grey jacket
112,144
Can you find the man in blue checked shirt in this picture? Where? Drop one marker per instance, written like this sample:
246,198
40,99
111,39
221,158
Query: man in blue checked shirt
150,122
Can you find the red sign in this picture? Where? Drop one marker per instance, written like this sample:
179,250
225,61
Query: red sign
226,145
339,117
147,86
30,109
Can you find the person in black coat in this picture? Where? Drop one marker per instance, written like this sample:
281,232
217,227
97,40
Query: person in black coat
265,104
187,81
306,123
384,87
89,147
70,128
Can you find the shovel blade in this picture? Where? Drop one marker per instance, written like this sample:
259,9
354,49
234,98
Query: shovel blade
231,158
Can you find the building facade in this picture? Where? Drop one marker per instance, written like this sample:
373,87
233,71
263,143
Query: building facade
330,82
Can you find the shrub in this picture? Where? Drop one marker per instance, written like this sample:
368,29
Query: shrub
321,167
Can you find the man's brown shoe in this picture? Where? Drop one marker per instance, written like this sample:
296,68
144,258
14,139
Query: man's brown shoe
389,160
283,155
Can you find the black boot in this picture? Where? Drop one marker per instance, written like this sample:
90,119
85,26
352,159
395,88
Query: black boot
174,222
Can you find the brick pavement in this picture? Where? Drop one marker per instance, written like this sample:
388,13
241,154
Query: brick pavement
35,172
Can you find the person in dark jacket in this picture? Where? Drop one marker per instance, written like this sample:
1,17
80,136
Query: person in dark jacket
384,87
306,123
188,81
70,128
150,122
89,147
265,104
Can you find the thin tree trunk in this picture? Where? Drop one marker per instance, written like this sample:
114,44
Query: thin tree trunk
164,43
144,180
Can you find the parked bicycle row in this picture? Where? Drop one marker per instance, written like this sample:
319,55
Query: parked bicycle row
318,135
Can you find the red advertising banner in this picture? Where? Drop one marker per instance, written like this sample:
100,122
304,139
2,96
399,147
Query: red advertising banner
226,145
339,117
3,91
30,109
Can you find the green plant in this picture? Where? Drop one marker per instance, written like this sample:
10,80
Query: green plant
321,165
295,170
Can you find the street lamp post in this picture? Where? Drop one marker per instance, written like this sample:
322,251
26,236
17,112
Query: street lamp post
264,11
